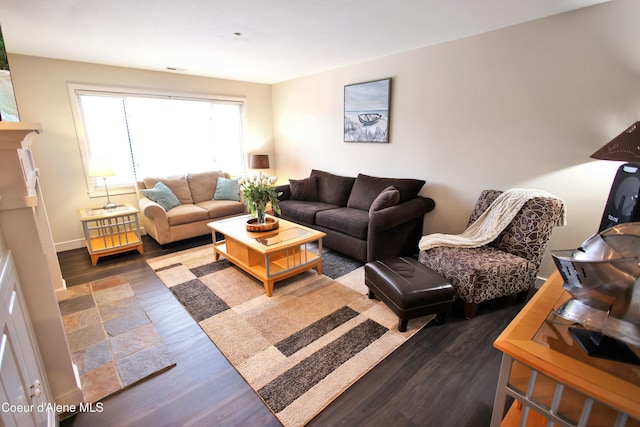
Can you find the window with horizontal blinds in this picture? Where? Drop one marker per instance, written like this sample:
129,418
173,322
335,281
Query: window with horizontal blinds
144,135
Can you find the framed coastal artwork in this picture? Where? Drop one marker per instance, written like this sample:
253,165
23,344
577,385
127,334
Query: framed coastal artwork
366,111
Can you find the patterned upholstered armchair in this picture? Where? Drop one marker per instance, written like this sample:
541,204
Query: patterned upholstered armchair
509,264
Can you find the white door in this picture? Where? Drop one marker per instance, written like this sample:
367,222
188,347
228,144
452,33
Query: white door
23,386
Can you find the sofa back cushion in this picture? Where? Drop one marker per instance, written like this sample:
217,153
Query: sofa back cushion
333,189
366,188
178,185
203,184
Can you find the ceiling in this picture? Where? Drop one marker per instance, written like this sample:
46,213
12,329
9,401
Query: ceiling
265,41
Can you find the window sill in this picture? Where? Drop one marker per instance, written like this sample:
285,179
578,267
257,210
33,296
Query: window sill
99,192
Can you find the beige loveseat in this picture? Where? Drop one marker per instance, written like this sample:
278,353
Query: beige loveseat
198,198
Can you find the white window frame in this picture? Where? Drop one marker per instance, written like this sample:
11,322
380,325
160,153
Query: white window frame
95,188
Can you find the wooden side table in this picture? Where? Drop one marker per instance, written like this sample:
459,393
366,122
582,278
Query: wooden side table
111,231
553,381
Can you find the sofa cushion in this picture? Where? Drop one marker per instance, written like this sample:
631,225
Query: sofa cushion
177,183
304,189
221,208
354,222
301,211
203,184
387,198
227,189
185,214
333,189
162,195
366,188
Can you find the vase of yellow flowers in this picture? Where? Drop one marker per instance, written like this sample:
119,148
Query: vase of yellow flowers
258,191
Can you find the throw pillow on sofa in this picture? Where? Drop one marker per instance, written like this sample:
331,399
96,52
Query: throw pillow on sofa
227,189
304,189
177,184
162,195
366,188
390,196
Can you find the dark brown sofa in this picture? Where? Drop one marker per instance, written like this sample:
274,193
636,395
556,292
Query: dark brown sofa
366,218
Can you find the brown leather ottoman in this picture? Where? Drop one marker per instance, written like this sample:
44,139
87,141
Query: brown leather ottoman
410,289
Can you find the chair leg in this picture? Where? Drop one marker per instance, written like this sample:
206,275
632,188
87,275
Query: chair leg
440,318
371,294
470,309
402,325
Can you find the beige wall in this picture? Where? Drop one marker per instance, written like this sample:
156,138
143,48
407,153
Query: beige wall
519,107
41,91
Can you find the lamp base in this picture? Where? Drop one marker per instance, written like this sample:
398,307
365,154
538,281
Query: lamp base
110,205
596,344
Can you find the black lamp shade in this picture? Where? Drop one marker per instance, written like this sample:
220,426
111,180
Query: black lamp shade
259,161
624,147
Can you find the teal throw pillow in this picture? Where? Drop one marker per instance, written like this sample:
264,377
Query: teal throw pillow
162,195
227,189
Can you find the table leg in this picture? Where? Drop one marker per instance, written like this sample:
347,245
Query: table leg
216,255
268,287
500,399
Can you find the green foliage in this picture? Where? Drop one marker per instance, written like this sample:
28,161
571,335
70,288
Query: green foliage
258,190
4,62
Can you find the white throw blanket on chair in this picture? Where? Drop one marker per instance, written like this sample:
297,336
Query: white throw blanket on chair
491,223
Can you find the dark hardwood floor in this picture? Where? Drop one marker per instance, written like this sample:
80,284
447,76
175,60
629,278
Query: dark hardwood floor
443,376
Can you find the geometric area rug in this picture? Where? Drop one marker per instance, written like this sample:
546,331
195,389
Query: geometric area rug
113,342
300,348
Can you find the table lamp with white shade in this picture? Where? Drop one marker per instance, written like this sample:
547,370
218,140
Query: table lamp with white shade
101,167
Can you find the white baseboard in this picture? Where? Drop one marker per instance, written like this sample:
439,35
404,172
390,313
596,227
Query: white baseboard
70,245
539,282
61,293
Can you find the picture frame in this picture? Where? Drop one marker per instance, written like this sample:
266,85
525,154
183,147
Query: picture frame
366,111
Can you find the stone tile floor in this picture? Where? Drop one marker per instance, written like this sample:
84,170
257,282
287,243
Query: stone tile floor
112,341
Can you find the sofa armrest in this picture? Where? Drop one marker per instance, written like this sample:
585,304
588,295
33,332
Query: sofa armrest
152,210
393,216
154,220
286,191
396,230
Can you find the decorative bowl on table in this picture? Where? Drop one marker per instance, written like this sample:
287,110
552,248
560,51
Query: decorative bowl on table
269,224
